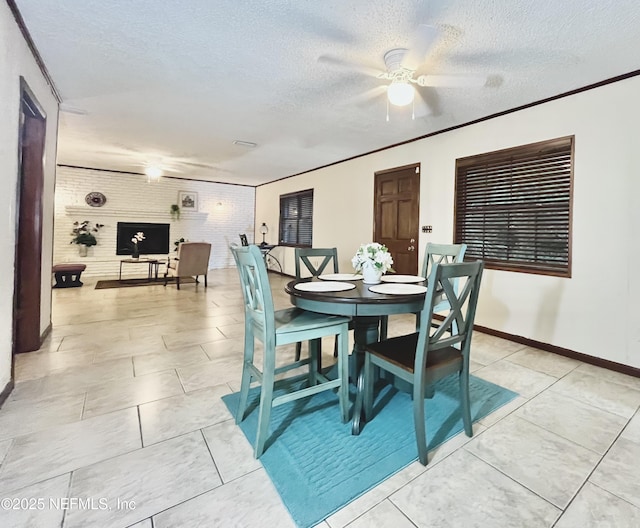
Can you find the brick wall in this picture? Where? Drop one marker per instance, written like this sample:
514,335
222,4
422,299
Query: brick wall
224,211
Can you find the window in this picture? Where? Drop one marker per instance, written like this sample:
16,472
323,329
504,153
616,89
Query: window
513,207
296,219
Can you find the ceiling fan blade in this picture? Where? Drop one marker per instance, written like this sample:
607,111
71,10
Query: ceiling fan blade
368,96
199,165
473,81
429,98
423,40
427,104
421,107
361,68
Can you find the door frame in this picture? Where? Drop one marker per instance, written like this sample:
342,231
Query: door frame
29,105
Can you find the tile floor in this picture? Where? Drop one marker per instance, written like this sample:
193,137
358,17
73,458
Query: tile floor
117,421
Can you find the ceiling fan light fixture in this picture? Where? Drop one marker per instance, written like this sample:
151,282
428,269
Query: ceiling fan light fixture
400,93
153,173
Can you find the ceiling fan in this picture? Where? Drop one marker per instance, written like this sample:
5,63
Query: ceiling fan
402,65
156,165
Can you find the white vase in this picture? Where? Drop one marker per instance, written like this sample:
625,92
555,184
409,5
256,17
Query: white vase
371,274
82,250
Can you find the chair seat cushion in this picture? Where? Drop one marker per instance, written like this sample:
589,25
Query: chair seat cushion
401,351
295,319
61,268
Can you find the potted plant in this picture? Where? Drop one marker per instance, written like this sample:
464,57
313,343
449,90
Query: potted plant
373,260
177,243
175,212
83,235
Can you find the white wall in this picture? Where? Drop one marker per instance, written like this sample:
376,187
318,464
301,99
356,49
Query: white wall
224,211
596,312
15,61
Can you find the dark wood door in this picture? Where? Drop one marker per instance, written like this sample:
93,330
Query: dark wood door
29,251
397,206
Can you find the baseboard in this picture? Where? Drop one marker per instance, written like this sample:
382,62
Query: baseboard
592,360
5,392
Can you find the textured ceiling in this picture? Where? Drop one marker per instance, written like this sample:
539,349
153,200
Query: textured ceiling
174,83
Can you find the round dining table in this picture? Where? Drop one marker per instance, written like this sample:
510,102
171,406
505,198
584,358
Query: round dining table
365,306
360,302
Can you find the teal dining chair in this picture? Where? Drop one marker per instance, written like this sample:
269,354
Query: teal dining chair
432,353
441,254
314,268
434,254
276,328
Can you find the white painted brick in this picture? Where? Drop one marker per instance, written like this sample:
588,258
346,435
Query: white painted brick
130,198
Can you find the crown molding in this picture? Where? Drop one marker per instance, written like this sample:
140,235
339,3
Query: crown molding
34,50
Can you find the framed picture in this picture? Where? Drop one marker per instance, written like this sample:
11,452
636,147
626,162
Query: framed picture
188,200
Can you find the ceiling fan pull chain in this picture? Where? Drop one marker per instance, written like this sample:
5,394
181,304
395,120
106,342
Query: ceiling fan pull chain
387,109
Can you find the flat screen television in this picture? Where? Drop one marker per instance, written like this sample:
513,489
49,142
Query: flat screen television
156,238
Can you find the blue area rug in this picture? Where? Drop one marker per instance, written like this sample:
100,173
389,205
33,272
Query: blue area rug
317,466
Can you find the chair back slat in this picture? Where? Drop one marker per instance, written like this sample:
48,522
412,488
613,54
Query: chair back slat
442,254
254,281
457,327
304,255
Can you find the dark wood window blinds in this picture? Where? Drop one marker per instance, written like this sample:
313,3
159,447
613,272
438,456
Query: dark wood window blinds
513,207
296,219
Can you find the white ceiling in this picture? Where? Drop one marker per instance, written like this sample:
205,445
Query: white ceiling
175,83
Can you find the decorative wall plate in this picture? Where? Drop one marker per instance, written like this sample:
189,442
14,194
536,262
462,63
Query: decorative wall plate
95,199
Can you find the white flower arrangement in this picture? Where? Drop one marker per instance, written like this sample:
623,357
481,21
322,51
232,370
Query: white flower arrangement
375,255
138,237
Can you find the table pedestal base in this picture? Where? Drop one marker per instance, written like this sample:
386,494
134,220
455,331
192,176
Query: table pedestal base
365,330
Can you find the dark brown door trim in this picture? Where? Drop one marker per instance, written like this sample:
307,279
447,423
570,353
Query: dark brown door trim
28,226
396,169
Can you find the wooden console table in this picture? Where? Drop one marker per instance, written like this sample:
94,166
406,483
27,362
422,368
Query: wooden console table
153,264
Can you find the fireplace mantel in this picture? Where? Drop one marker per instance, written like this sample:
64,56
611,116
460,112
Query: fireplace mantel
82,211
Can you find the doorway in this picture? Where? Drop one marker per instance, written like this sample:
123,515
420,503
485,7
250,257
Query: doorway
28,252
396,220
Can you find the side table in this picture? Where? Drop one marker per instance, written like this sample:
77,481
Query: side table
153,265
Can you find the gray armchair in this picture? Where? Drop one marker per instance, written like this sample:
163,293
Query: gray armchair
192,261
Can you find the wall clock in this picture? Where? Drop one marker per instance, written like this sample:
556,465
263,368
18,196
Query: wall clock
95,199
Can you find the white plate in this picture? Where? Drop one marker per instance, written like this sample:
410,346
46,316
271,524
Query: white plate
324,286
340,276
402,278
398,289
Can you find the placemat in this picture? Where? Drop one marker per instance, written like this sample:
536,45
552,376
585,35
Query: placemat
324,286
398,289
340,276
402,278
